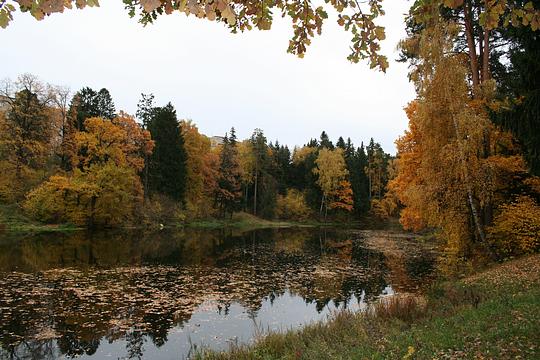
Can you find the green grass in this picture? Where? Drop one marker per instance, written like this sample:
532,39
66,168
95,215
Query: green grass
494,314
245,221
13,220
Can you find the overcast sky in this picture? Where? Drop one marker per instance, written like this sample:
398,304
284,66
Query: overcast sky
216,78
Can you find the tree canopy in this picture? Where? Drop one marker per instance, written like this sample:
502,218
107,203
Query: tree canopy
358,18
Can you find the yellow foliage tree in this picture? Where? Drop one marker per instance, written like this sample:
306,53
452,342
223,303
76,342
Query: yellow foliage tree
201,170
300,154
120,140
103,195
332,173
25,142
104,189
453,162
247,161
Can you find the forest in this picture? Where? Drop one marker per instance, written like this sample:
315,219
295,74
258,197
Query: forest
467,167
75,159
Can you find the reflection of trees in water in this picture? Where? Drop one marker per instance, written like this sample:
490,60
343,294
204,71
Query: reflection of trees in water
30,349
420,266
135,340
81,307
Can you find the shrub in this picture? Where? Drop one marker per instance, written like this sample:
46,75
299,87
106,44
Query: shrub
385,207
161,209
292,206
404,307
516,229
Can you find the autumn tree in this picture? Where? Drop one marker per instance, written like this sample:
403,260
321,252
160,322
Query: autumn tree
453,162
201,169
408,183
102,195
246,159
120,140
25,137
516,228
292,206
167,166
342,197
479,33
332,173
104,188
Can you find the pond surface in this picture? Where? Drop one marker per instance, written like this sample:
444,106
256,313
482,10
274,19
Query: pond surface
134,295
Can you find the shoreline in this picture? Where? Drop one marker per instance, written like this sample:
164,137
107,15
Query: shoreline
493,313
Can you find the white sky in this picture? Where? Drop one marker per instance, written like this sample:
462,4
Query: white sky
220,79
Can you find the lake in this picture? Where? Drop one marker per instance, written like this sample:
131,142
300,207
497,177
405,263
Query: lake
163,295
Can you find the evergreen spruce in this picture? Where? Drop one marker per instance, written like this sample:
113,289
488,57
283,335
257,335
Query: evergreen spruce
90,103
167,166
229,192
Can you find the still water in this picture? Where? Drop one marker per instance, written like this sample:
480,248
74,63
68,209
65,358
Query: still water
133,295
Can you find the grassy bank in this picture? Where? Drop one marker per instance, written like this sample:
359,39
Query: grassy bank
492,315
244,221
12,219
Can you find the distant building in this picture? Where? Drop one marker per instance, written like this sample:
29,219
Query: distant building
215,141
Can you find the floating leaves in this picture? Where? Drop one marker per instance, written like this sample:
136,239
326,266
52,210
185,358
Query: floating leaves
82,306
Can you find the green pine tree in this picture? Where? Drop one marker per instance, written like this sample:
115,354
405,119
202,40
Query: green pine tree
229,192
167,165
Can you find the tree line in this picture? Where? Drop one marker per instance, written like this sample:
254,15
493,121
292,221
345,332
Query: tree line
76,159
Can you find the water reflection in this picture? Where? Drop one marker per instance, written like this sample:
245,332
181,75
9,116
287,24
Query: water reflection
158,295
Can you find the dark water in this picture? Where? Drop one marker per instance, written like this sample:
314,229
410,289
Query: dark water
163,295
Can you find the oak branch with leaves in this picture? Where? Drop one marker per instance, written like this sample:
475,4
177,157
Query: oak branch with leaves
356,17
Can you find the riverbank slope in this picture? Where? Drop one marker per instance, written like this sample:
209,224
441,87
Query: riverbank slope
493,314
14,220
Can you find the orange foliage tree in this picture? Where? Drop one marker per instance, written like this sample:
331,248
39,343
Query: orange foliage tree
104,189
342,197
455,167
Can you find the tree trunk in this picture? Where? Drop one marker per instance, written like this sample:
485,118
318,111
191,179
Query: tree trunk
255,193
471,44
92,211
485,58
474,210
146,176
321,208
369,181
246,196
